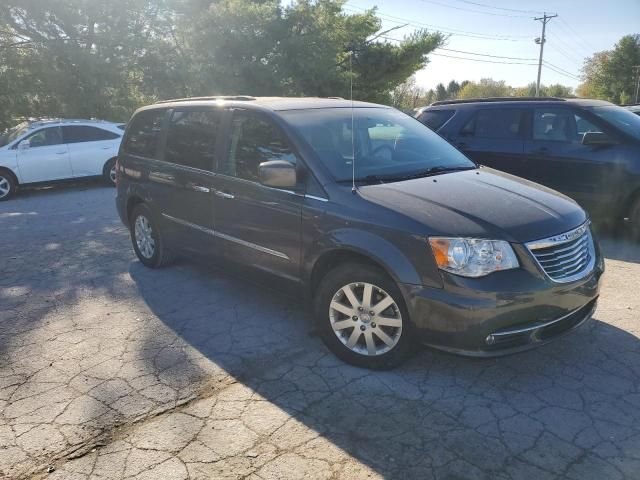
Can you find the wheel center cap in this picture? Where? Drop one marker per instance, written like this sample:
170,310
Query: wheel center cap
365,318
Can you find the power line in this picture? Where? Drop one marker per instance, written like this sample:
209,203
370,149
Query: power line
476,11
452,31
481,60
561,69
580,37
564,53
536,12
572,77
484,54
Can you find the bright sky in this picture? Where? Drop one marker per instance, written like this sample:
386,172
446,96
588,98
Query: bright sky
506,28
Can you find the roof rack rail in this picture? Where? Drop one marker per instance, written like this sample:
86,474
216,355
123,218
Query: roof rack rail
217,97
498,99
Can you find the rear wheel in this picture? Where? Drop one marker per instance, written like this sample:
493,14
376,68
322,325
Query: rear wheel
8,185
109,172
362,317
634,218
147,239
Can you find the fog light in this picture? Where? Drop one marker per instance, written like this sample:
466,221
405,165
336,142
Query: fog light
490,340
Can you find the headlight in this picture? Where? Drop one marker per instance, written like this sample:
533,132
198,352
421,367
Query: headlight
472,257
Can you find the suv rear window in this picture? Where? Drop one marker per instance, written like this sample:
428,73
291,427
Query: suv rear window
502,123
142,136
191,138
434,119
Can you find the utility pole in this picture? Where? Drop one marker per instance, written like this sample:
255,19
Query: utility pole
544,19
637,69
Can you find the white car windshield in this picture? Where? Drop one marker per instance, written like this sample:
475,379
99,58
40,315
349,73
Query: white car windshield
14,133
389,145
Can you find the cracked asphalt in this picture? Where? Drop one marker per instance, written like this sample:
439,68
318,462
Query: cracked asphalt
109,370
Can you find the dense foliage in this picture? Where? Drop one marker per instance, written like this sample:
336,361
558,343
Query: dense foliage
610,75
103,58
408,95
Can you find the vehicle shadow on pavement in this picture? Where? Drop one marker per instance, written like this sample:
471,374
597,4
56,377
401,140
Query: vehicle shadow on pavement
567,409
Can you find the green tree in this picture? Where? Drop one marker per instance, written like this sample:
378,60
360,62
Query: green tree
441,92
453,89
486,87
103,58
609,75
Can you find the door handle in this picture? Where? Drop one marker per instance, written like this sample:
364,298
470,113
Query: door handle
226,195
60,153
106,148
200,188
542,151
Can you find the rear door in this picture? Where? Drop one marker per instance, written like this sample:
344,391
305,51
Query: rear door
186,177
89,148
555,157
493,137
42,156
258,224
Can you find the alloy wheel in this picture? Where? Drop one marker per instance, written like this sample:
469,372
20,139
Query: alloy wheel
112,174
365,318
5,186
144,239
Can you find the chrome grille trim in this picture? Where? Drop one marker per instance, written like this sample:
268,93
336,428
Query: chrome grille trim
566,257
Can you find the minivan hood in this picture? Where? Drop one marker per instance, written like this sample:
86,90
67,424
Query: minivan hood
483,203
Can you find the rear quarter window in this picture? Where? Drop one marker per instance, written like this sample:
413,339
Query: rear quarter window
434,119
144,132
497,123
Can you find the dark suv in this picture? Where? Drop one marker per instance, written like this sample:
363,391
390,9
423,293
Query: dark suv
587,149
394,236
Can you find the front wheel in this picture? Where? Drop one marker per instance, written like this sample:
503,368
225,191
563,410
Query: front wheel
362,317
147,239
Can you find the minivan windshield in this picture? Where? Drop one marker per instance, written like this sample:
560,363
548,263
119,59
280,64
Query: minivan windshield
12,134
619,117
389,145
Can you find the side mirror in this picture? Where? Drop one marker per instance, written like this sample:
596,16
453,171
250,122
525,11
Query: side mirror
597,138
277,174
24,144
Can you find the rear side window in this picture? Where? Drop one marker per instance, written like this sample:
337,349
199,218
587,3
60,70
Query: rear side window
191,138
434,119
499,123
144,132
254,140
79,133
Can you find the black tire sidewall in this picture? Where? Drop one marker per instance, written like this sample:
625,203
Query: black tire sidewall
106,171
155,260
353,273
12,184
634,218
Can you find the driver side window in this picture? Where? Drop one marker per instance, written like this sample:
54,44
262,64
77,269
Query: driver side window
44,137
254,140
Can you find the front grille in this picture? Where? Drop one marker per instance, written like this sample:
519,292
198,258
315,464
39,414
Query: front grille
565,257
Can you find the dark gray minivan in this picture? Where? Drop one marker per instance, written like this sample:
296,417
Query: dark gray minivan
395,237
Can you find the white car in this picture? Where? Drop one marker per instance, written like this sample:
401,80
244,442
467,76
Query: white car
51,150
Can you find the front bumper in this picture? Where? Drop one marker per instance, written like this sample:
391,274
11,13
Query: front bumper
502,313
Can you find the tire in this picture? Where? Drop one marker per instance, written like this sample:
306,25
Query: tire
108,172
8,185
146,237
634,218
334,324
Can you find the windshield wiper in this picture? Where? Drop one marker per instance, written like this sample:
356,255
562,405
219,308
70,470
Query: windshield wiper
422,173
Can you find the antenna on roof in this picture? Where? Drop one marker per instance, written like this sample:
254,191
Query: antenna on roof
353,141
